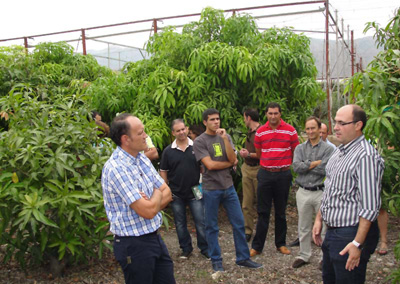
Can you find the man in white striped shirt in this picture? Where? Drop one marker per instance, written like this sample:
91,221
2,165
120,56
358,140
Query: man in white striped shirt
351,201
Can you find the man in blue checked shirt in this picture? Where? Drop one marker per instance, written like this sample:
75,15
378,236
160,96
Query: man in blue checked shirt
134,193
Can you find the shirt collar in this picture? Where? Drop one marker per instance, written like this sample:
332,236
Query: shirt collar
318,144
279,126
175,146
344,149
125,156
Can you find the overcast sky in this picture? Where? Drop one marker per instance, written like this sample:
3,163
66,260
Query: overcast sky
25,18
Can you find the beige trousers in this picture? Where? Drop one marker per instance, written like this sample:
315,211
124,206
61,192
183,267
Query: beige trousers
249,204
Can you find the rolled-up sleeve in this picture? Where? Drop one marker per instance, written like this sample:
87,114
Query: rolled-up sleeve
370,172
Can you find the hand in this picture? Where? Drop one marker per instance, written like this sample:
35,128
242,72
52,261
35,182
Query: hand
243,153
221,132
316,232
354,256
144,196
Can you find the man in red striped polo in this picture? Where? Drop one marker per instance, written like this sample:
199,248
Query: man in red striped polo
275,143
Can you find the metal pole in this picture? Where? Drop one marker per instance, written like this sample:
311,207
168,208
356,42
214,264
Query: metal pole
337,58
352,53
155,26
108,55
327,64
26,44
83,41
344,59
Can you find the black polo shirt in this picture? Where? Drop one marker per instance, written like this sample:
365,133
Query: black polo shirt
183,169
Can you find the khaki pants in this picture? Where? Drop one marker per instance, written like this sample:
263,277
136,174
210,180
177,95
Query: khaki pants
249,184
308,204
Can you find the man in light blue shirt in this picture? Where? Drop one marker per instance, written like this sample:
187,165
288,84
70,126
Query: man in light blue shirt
134,193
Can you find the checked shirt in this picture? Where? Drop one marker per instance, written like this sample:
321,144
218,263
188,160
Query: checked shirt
123,178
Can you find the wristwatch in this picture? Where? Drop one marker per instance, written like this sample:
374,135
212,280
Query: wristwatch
358,245
248,154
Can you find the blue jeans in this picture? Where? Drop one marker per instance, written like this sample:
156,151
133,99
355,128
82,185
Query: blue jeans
197,209
144,259
229,199
333,269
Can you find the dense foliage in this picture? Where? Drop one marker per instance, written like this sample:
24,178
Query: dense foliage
377,90
51,205
215,62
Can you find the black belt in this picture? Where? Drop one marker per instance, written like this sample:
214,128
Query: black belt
314,188
252,165
126,237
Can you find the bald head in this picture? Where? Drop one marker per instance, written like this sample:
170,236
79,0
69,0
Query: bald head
323,131
349,123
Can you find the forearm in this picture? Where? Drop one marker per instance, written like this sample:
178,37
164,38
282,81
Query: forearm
301,167
229,151
148,208
363,228
164,175
216,165
166,197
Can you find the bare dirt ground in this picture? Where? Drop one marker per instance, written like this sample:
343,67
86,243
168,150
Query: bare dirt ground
276,267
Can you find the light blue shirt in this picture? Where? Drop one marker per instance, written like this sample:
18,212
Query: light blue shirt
123,178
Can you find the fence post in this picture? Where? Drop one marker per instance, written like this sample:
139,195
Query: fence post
26,44
83,42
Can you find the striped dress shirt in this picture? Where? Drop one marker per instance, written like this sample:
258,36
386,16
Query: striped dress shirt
277,145
352,184
123,178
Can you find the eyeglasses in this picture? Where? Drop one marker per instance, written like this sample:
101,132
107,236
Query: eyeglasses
341,123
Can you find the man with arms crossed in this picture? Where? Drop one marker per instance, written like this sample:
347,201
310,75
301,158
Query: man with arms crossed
250,169
214,149
181,172
309,162
275,143
134,194
351,201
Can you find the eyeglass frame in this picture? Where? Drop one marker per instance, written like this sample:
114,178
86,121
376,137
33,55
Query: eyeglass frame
341,123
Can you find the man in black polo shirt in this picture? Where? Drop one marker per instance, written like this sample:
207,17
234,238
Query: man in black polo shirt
181,171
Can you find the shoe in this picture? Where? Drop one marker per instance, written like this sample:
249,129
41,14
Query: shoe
253,252
283,250
295,243
298,263
217,266
320,263
249,264
205,254
185,254
248,237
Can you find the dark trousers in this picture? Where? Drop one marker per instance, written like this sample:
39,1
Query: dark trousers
272,187
144,259
178,206
336,239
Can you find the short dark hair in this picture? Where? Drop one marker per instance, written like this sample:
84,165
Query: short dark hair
253,113
197,129
359,115
209,111
176,121
273,105
314,118
119,127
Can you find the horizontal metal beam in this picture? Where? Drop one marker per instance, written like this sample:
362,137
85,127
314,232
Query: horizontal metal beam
168,18
291,13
